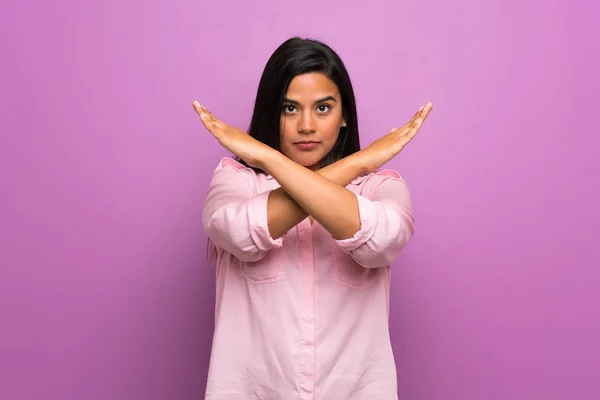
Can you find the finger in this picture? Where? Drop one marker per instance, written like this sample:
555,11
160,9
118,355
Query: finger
422,113
412,130
205,117
426,110
210,115
417,115
210,122
410,123
197,107
408,136
409,132
417,121
204,114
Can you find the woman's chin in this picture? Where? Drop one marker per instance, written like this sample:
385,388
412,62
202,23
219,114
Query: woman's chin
308,162
308,159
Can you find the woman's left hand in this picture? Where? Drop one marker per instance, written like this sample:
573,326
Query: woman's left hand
234,139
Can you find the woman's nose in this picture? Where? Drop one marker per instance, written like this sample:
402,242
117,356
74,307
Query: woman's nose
306,123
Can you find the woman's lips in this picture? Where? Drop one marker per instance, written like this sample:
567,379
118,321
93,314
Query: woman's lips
306,145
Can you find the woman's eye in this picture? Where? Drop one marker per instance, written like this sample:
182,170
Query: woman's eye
324,108
289,108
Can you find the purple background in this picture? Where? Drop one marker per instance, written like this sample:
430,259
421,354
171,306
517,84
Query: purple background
104,289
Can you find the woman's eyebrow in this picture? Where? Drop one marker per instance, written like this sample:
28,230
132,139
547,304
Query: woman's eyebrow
328,98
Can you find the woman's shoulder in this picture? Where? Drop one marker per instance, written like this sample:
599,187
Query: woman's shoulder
231,164
379,175
229,168
368,184
387,172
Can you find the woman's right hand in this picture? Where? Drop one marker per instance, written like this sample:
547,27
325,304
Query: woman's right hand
234,139
387,147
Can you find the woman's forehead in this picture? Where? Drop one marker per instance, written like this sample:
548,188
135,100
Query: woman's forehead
310,87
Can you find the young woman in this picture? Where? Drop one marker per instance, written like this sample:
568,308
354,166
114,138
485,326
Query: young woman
305,228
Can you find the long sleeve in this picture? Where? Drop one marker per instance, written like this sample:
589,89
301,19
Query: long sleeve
235,216
386,221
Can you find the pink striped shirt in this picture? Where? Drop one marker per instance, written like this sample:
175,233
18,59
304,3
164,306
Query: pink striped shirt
304,316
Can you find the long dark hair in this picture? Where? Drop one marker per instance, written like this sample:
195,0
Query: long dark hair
294,57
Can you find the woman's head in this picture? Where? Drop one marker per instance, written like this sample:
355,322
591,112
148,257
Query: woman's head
305,105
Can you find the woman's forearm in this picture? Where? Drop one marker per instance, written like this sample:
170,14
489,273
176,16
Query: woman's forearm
320,194
284,212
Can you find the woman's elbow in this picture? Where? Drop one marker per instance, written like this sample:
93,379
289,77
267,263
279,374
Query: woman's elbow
243,254
250,256
222,237
382,255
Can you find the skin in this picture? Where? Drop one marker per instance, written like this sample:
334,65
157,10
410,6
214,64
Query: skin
312,110
296,169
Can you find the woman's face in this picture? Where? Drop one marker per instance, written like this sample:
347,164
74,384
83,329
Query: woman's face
311,117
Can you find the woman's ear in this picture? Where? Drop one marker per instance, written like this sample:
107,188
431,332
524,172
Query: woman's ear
344,119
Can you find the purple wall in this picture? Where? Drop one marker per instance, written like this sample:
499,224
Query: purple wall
104,292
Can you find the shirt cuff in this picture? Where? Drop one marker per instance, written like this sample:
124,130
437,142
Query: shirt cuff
259,225
368,221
